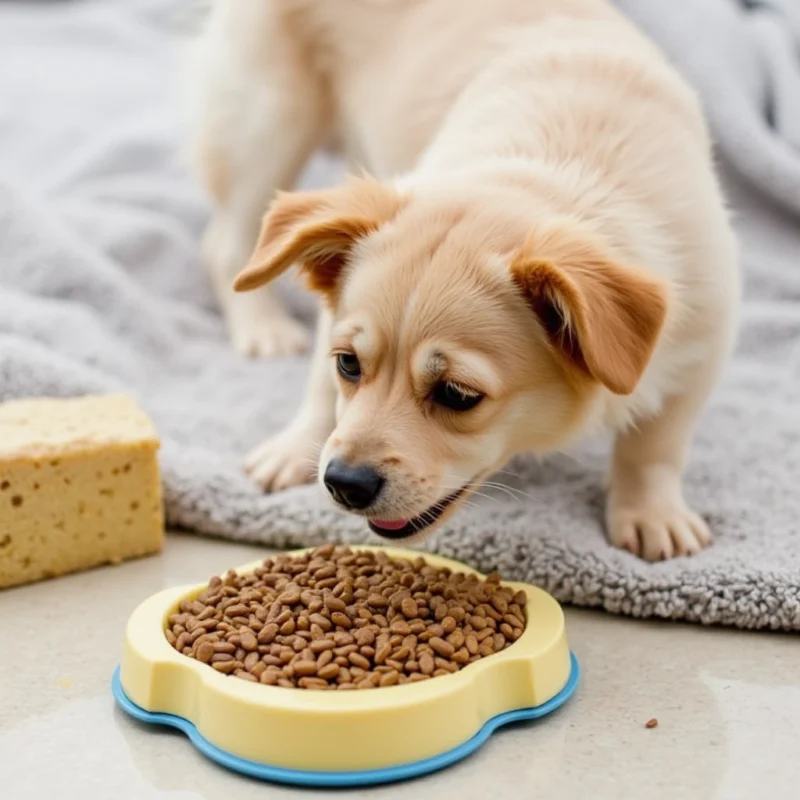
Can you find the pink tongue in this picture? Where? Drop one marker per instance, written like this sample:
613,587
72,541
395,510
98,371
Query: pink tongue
390,524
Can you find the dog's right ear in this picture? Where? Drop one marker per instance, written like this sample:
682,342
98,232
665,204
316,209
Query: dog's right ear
317,230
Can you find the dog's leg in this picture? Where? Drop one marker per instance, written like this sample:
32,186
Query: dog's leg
291,457
260,114
646,511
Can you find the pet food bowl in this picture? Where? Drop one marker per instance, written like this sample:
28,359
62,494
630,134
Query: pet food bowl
341,738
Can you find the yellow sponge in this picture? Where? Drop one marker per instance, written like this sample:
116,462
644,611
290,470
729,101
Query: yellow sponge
79,486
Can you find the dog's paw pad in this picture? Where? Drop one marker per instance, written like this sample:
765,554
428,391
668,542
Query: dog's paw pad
657,534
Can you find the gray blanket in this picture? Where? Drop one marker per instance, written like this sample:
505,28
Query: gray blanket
101,290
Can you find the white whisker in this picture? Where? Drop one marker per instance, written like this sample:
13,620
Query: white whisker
512,491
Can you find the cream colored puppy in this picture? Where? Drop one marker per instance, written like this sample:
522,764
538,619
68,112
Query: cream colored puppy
544,252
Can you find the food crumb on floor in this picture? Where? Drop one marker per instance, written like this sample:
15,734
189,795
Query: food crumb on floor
651,723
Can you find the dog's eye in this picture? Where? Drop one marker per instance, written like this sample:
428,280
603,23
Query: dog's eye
451,396
348,366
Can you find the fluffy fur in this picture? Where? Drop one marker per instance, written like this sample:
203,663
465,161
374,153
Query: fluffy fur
544,229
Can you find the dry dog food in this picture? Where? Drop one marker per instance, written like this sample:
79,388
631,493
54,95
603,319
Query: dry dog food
79,486
336,618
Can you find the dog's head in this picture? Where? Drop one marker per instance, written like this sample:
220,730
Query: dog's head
465,329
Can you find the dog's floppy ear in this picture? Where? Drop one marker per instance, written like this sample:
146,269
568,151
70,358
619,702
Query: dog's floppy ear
317,230
603,317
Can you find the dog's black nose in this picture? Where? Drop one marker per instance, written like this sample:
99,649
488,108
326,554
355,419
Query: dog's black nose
353,487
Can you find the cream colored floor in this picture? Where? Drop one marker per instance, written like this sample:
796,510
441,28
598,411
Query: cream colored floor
728,706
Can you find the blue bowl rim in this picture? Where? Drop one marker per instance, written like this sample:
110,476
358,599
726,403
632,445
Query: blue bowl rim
370,777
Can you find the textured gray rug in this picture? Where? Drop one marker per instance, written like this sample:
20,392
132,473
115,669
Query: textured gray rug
100,290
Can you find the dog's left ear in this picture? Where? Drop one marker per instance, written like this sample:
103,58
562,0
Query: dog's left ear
317,230
602,317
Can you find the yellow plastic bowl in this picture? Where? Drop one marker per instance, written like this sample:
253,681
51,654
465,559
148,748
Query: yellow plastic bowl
298,732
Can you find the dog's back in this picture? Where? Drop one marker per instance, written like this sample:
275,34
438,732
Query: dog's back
393,68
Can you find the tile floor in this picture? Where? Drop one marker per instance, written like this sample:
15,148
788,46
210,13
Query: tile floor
728,705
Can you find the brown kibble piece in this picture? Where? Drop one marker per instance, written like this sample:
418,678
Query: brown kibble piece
441,647
333,603
258,668
426,665
328,671
226,666
456,638
342,620
401,654
383,652
409,608
357,660
205,652
499,603
377,600
268,633
318,619
365,637
389,678
323,573
312,683
289,597
507,630
250,661
400,626
335,618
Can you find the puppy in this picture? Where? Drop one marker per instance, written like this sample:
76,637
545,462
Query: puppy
543,253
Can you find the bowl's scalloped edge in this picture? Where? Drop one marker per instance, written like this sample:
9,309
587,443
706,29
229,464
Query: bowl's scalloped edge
368,777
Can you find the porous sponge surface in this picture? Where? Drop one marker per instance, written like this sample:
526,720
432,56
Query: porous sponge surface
79,486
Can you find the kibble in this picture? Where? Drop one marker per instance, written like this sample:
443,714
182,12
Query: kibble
335,618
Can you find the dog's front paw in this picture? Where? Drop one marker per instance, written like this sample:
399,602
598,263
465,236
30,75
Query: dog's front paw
657,532
289,459
268,337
